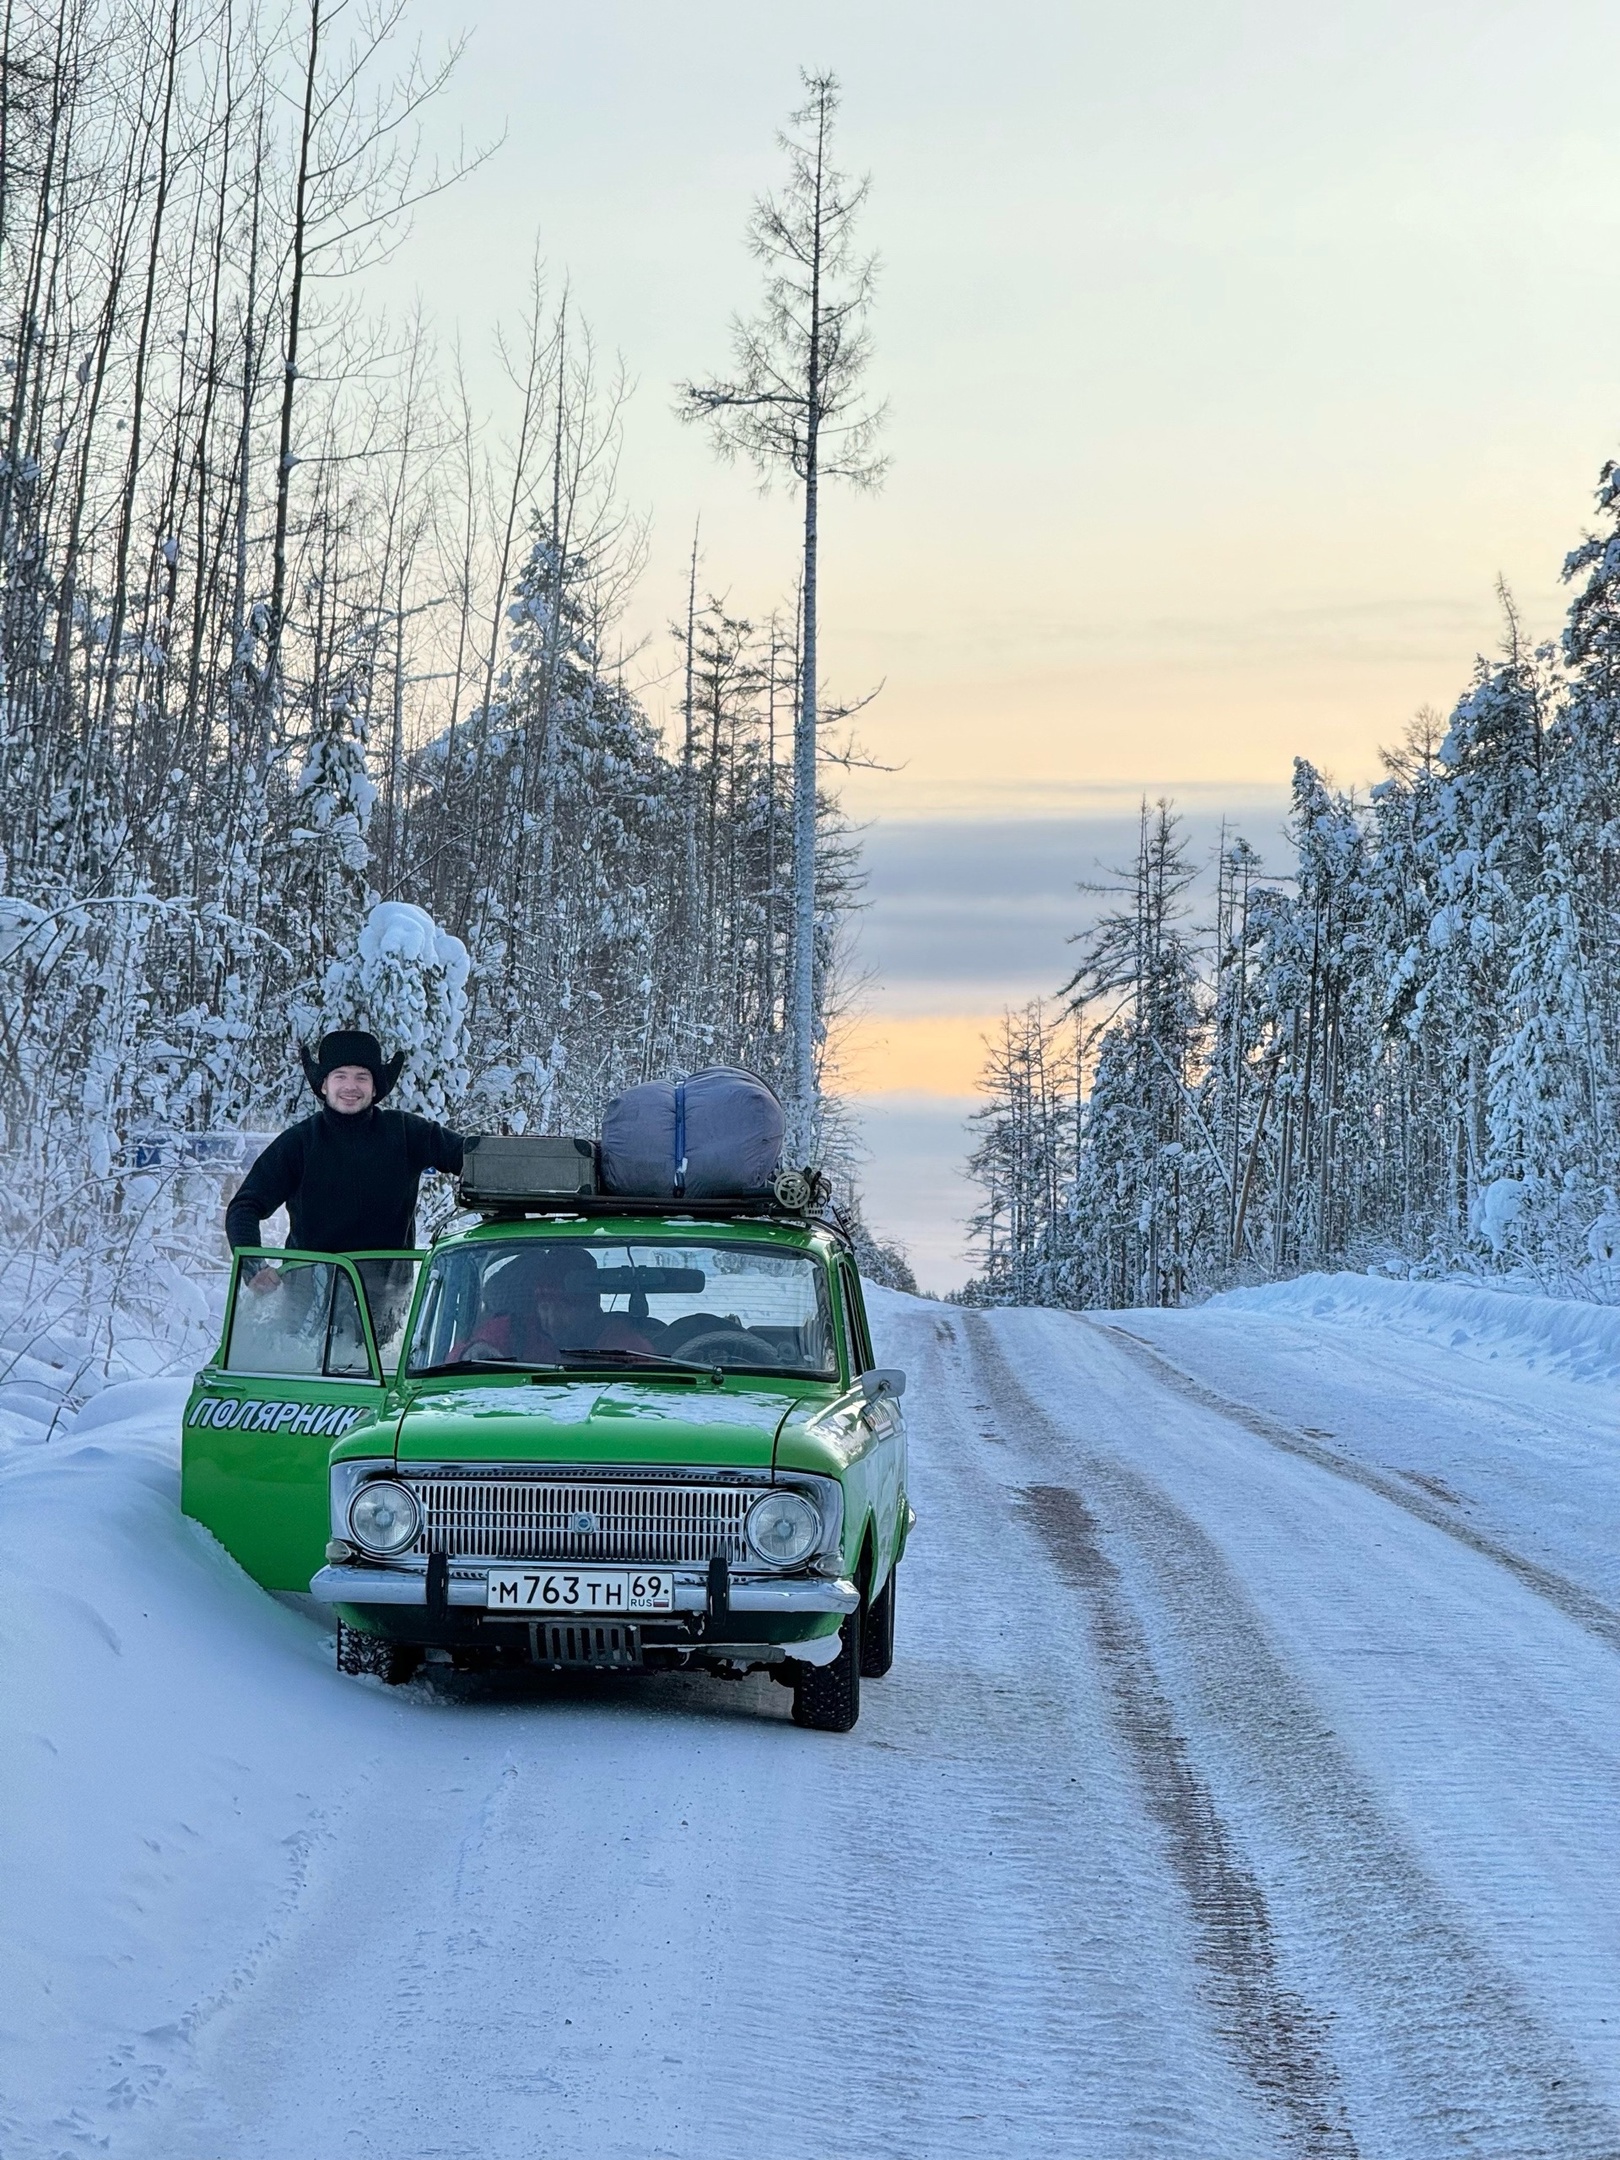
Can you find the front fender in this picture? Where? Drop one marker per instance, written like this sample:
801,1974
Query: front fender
843,1439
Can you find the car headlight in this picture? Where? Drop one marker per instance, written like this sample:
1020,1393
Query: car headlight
784,1528
383,1517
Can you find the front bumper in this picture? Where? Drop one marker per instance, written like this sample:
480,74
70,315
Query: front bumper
786,1597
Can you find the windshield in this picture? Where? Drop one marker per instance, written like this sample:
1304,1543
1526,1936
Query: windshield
545,1303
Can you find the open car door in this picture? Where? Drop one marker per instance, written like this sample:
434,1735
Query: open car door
310,1345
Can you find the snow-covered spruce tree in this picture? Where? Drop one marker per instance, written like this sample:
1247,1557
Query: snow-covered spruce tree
1148,1171
1237,1089
1547,1093
406,980
1555,1086
1300,1192
1023,1161
1458,829
568,808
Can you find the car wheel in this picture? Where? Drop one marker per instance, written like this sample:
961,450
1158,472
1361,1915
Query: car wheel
827,1698
394,1662
877,1632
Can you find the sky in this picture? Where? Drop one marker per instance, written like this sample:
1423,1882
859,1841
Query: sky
1233,352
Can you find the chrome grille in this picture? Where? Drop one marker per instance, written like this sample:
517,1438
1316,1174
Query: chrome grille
519,1518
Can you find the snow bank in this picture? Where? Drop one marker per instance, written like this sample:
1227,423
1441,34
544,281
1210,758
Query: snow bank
1560,1336
161,1723
69,1332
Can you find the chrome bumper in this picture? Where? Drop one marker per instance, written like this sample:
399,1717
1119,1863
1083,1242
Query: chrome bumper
787,1598
823,1595
388,1586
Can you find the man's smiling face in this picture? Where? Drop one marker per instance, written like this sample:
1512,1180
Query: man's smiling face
349,1089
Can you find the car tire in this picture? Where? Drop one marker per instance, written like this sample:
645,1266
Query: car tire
827,1698
877,1632
392,1662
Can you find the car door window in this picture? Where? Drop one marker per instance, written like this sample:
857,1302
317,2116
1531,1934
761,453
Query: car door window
304,1324
860,1347
389,1285
347,1354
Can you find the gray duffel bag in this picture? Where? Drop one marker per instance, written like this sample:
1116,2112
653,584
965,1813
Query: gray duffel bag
717,1136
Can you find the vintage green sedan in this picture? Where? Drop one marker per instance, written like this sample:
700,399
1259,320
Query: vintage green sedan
610,1436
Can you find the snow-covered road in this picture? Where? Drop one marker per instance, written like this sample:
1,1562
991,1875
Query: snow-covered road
1246,1785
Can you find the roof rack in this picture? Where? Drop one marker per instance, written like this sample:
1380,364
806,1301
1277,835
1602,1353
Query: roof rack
751,1207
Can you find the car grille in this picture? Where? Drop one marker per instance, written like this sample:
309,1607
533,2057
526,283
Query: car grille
519,1518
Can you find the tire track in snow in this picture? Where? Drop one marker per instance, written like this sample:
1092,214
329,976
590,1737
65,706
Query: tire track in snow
1044,2007
1475,2071
1574,1602
1277,2038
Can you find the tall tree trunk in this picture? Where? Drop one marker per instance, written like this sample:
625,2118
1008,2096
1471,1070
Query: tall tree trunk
270,689
689,859
804,844
770,838
804,730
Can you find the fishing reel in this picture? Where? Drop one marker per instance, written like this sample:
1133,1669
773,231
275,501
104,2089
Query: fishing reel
798,1191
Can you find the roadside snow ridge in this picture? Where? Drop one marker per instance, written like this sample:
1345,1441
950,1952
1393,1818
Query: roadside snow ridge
1543,1334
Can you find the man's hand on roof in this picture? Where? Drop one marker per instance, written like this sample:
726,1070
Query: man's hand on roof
267,1279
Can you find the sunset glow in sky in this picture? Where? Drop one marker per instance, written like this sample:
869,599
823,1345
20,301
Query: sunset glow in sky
1233,350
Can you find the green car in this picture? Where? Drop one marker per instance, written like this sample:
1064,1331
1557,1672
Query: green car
608,1437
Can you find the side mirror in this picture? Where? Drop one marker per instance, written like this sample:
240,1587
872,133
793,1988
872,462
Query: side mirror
882,1380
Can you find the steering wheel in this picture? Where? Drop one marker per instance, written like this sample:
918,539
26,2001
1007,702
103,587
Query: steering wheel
745,1348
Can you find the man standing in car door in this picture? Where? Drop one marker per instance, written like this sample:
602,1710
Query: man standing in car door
348,1176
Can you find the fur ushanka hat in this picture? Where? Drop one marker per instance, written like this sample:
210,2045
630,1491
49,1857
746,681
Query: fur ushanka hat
351,1046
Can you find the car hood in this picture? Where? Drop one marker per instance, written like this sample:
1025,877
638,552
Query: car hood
594,1421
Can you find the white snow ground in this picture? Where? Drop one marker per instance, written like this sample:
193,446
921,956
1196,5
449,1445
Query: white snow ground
1246,1785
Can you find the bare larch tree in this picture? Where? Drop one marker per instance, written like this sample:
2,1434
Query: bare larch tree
796,405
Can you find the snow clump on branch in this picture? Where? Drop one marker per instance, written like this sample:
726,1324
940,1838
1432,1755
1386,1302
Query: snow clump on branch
406,980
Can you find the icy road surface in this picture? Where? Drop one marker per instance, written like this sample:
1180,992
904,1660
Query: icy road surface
1247,1784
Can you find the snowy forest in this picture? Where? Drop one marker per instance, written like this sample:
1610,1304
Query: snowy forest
1399,1048
316,706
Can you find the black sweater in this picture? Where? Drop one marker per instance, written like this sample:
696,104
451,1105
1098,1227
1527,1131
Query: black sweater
349,1184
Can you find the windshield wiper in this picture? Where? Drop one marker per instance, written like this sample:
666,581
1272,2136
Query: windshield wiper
478,1365
645,1360
642,1358
775,1372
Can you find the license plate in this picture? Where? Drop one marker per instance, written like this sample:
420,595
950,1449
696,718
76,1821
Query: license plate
579,1590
